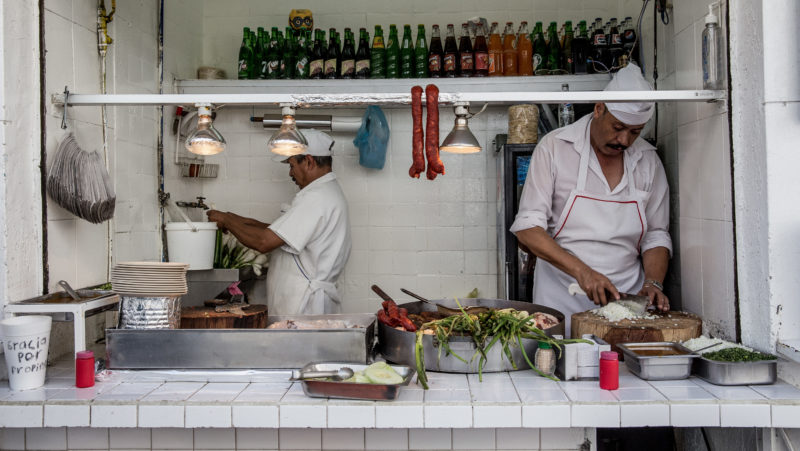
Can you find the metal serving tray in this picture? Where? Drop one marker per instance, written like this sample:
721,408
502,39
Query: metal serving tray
736,373
353,390
657,368
241,348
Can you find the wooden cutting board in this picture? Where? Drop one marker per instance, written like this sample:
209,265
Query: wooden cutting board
253,317
669,326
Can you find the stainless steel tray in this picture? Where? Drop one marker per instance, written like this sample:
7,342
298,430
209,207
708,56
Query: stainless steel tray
657,368
241,348
398,346
353,390
736,373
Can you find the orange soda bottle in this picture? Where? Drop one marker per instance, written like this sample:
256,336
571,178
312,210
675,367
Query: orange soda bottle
495,52
509,50
524,50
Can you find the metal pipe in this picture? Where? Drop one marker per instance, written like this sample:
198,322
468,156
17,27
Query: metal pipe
342,124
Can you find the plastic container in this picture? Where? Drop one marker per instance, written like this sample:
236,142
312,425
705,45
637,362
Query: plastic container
26,340
609,370
545,359
196,248
84,369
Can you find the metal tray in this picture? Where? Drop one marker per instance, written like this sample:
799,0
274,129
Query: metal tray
736,373
656,368
398,346
353,390
241,348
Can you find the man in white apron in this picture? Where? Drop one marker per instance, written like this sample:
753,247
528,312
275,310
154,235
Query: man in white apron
309,243
595,207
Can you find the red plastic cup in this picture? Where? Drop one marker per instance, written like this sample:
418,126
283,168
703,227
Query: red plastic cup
84,369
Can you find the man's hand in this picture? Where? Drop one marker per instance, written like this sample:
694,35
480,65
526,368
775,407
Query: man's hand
218,217
595,285
656,296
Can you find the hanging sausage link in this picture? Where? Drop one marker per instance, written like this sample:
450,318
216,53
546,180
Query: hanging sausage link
417,155
435,165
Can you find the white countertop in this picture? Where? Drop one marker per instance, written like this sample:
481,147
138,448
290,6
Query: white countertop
503,400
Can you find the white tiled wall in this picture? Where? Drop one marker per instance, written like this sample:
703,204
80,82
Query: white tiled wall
698,143
77,250
437,238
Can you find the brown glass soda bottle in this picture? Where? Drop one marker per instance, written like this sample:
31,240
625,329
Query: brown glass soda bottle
481,53
435,54
466,56
450,53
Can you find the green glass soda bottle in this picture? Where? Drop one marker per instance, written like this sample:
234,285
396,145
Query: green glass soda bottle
539,49
261,53
553,48
301,69
273,55
378,55
407,54
245,55
393,54
288,56
421,53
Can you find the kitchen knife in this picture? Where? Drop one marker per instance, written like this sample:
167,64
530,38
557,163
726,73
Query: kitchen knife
635,302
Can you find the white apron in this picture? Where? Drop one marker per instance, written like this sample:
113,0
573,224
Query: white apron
603,231
291,292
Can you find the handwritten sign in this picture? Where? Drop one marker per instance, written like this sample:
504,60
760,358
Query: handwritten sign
27,355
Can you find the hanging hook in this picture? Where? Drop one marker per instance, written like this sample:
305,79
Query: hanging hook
64,113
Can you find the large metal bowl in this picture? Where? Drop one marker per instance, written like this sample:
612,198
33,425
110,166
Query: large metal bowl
398,346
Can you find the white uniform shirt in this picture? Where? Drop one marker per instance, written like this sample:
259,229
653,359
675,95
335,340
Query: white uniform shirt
553,174
316,229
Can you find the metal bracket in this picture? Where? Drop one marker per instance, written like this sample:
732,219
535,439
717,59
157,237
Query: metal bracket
64,112
163,197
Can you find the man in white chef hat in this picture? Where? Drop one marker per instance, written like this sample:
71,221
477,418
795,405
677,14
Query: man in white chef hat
595,207
309,243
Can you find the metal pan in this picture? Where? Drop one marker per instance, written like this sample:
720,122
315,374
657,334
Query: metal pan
658,367
398,345
353,390
736,373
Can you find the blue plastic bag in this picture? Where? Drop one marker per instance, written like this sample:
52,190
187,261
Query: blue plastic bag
372,138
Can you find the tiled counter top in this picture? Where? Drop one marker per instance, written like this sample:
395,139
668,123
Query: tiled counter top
518,399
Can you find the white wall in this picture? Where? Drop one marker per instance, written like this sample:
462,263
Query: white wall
20,149
704,183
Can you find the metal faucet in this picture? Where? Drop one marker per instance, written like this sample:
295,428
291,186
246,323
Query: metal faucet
198,204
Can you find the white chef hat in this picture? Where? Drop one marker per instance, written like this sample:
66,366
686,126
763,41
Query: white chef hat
319,145
630,78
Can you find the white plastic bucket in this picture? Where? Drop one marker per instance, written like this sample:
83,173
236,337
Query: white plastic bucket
196,248
26,340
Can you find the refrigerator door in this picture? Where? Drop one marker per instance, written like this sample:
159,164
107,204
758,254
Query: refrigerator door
515,266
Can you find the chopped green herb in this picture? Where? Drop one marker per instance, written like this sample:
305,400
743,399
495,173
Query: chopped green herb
738,355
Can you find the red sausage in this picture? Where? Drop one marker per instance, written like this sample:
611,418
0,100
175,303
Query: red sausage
418,155
435,165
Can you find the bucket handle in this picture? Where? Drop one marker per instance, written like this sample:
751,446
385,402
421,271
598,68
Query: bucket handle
183,215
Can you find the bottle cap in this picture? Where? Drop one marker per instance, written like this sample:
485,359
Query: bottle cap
711,17
85,355
544,345
609,355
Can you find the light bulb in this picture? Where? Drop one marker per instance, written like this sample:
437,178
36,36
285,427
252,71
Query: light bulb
205,139
460,139
288,140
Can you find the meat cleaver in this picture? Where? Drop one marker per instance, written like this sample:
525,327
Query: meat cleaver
638,304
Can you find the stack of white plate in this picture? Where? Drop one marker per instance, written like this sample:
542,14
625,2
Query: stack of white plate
149,279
